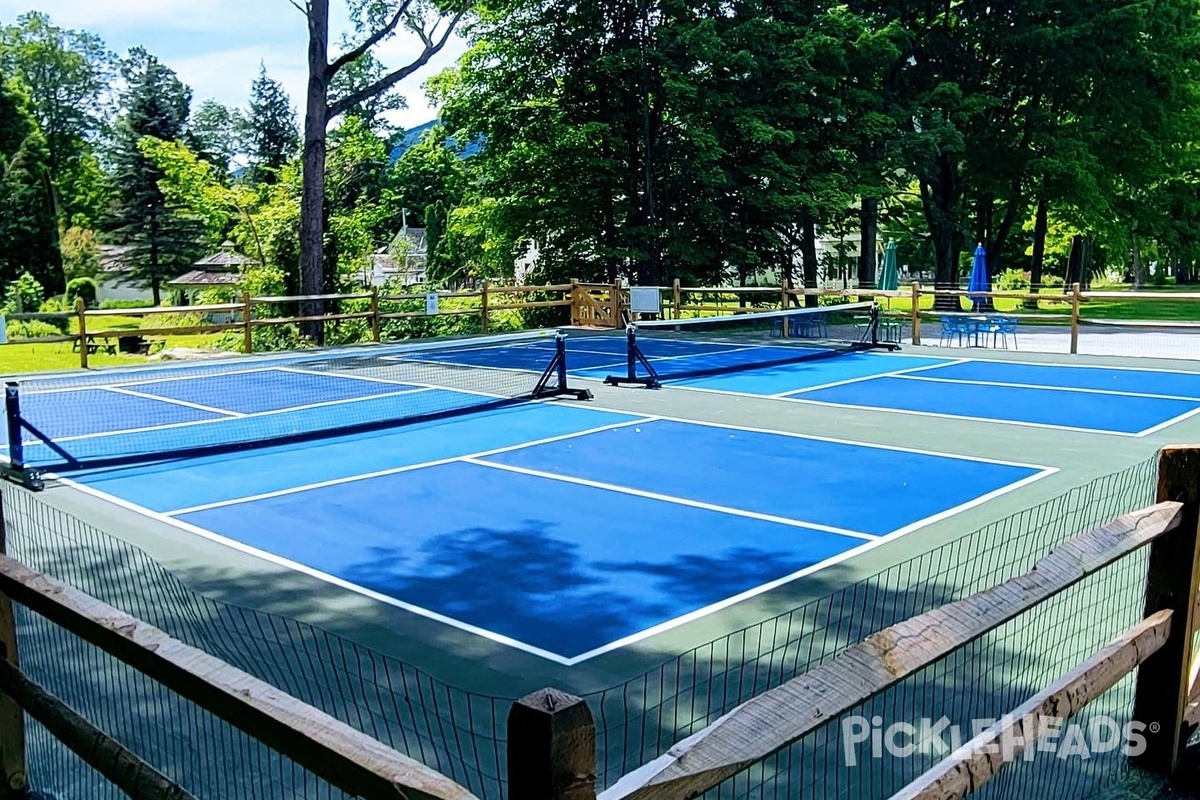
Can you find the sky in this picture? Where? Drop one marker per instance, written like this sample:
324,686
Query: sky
215,46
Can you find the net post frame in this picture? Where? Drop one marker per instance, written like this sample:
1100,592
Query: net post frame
557,370
1172,584
633,357
16,469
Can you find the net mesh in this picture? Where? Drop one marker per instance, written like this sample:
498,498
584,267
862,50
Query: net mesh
694,348
119,416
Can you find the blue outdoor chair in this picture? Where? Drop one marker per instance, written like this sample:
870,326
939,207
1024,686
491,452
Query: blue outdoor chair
952,332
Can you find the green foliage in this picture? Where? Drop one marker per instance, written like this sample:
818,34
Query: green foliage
1011,280
31,329
82,288
80,253
268,130
213,133
23,294
162,240
111,303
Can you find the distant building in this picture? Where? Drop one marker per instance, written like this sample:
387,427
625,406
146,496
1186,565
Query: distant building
113,282
402,261
221,270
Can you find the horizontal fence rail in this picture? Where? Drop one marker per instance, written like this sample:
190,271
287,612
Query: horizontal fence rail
325,746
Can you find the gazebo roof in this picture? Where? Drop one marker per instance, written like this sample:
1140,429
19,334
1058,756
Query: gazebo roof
227,259
201,277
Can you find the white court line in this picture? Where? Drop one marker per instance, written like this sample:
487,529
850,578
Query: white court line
173,401
700,613
355,376
1072,365
623,642
146,381
287,563
666,498
834,440
1160,426
943,415
1076,389
637,420
253,415
861,378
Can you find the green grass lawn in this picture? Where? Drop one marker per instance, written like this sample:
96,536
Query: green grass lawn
17,359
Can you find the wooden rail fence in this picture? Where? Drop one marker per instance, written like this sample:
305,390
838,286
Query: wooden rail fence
591,304
551,739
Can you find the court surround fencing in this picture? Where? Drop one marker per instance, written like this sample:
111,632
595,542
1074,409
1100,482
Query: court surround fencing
763,724
600,305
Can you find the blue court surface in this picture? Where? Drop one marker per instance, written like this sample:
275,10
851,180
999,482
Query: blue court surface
1129,402
558,528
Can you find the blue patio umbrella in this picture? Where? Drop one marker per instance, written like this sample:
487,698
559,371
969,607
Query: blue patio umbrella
979,278
889,273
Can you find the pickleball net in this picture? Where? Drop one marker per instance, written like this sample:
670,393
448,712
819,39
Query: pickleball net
113,417
679,349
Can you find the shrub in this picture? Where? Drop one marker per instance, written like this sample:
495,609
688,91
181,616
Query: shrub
30,329
23,294
126,304
1012,280
56,305
84,288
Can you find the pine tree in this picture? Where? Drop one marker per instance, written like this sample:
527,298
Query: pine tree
162,242
270,135
27,223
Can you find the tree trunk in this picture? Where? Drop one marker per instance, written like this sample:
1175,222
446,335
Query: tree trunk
1139,269
869,220
312,204
1038,261
940,198
808,254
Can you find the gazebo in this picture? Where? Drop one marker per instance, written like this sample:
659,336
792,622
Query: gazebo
221,269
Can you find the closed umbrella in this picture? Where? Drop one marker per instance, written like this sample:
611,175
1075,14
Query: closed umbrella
979,278
889,276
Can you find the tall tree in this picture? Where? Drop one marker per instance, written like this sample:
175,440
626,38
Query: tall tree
67,74
213,132
376,21
269,133
162,242
28,227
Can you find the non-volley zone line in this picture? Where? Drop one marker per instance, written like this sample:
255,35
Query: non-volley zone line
460,562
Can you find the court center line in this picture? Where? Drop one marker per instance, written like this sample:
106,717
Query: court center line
173,401
861,378
144,382
1014,385
943,415
845,555
407,468
833,439
666,498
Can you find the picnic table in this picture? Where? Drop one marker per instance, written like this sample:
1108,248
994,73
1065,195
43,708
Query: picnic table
131,343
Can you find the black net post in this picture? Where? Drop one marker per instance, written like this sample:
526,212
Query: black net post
12,416
634,355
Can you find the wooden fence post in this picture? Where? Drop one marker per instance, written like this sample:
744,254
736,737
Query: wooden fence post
614,299
12,718
375,313
675,299
784,285
247,327
1161,693
1075,298
551,748
483,308
81,313
916,312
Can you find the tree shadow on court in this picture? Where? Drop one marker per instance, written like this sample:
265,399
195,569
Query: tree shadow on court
460,733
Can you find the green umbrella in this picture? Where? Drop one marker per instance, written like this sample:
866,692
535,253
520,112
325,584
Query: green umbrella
889,275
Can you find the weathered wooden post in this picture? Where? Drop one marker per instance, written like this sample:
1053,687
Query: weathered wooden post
1172,578
551,748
